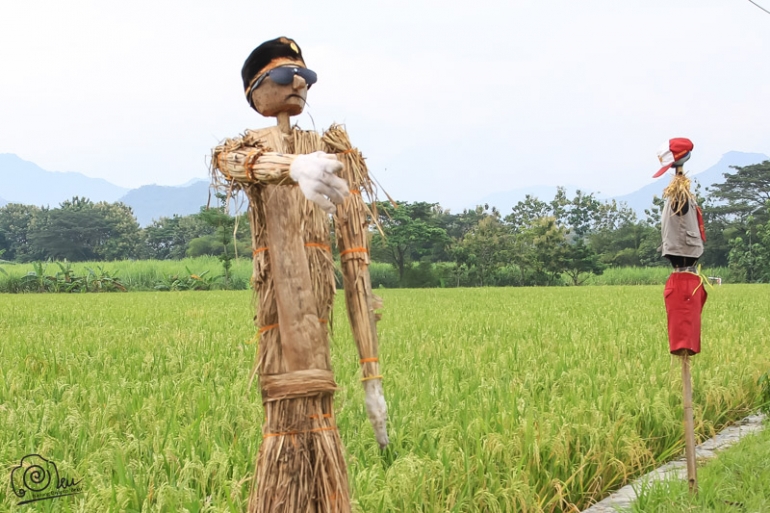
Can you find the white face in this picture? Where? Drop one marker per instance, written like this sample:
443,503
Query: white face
270,98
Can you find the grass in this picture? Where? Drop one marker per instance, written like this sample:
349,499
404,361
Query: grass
527,399
737,481
148,274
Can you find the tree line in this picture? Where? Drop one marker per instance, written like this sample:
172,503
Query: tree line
538,242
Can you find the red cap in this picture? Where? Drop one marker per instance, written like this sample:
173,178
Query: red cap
672,151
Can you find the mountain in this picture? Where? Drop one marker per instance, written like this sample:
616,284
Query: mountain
642,198
25,182
151,202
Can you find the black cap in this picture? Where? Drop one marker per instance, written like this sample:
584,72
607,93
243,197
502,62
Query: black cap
264,54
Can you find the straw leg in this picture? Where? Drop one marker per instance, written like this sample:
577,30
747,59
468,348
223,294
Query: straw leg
689,429
301,466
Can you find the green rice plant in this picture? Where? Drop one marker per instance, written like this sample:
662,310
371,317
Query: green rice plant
764,385
734,482
506,399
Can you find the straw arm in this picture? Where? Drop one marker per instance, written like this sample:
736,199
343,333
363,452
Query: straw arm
361,305
352,230
249,165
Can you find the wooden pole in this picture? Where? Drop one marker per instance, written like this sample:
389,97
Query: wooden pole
302,339
689,428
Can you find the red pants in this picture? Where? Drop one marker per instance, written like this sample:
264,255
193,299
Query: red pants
685,296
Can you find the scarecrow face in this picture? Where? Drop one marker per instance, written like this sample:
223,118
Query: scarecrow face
280,88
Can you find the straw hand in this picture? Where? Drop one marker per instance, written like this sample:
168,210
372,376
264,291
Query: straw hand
315,175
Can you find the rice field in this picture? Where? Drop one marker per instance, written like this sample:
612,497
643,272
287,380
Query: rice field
501,400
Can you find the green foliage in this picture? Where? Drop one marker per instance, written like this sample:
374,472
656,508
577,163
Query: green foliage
190,281
169,237
16,223
411,234
764,386
745,190
485,248
138,275
580,262
81,230
66,280
539,242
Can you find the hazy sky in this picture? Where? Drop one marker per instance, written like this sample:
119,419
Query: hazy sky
449,101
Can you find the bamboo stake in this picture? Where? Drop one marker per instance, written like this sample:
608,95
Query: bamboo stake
689,429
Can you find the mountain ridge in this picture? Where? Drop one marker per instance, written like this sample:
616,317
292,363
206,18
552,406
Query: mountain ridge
151,202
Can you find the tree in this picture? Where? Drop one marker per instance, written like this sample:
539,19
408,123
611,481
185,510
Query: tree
16,221
411,233
526,211
81,230
749,255
169,237
123,237
541,250
745,190
734,209
486,248
581,261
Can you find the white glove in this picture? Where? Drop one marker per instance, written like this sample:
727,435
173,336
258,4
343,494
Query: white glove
377,410
315,175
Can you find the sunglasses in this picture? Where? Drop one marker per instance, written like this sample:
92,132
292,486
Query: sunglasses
285,75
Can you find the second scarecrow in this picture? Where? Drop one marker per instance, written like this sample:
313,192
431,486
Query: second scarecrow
683,235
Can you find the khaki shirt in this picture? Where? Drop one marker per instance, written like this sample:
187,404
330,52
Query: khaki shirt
681,234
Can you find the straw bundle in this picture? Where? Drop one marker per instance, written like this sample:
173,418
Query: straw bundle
316,233
678,191
300,467
352,231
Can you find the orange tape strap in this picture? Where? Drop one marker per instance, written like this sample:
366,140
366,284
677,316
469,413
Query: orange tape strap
325,416
316,430
266,328
355,191
251,158
318,245
259,250
368,360
354,250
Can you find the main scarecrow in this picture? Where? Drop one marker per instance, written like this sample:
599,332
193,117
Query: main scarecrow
290,177
683,235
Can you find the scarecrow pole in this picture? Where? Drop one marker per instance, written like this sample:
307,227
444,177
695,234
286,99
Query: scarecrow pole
689,428
689,424
683,236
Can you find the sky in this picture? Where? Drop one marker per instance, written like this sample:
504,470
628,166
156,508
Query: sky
449,101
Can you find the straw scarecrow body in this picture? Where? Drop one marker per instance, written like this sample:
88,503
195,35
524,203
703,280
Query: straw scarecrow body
683,235
300,467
